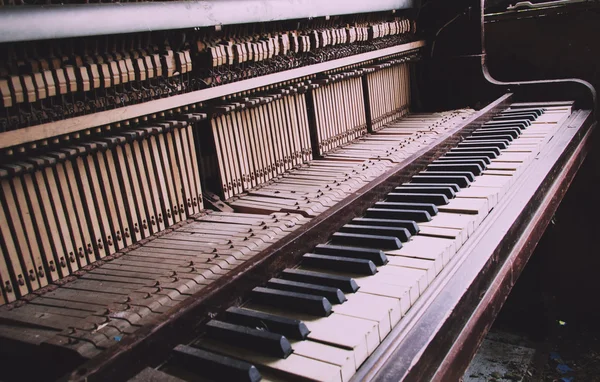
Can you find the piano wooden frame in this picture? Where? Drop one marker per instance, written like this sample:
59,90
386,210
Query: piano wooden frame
439,335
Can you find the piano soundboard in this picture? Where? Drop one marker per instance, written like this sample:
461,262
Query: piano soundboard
258,193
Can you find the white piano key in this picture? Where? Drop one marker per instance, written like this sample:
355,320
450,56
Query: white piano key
446,233
383,310
477,207
489,194
294,366
342,358
399,292
449,220
355,334
495,181
410,262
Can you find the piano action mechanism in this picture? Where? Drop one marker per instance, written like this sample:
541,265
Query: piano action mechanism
214,190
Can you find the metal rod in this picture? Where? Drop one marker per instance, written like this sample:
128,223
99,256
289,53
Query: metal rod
27,23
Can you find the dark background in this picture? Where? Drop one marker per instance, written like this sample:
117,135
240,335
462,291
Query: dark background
562,279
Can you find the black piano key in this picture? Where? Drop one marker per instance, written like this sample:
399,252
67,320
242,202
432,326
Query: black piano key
470,168
429,207
375,255
493,128
485,160
490,132
469,175
338,263
501,137
521,123
453,186
345,284
460,181
495,124
535,110
516,111
409,225
366,240
495,150
460,154
499,144
415,215
401,233
214,366
289,327
260,341
299,302
334,295
506,139
476,140
437,199
513,117
448,192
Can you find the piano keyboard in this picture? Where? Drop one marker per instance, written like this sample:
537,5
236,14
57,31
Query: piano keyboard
134,285
131,286
322,319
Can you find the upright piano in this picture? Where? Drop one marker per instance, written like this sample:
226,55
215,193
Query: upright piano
244,190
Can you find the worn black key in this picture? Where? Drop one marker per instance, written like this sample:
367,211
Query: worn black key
430,208
299,302
448,192
407,197
517,109
334,295
501,137
499,144
485,160
410,225
345,284
495,150
401,233
482,141
338,263
454,167
536,110
453,186
289,327
214,366
375,255
460,181
516,129
521,123
515,117
498,124
366,240
458,154
491,132
260,341
385,213
469,175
